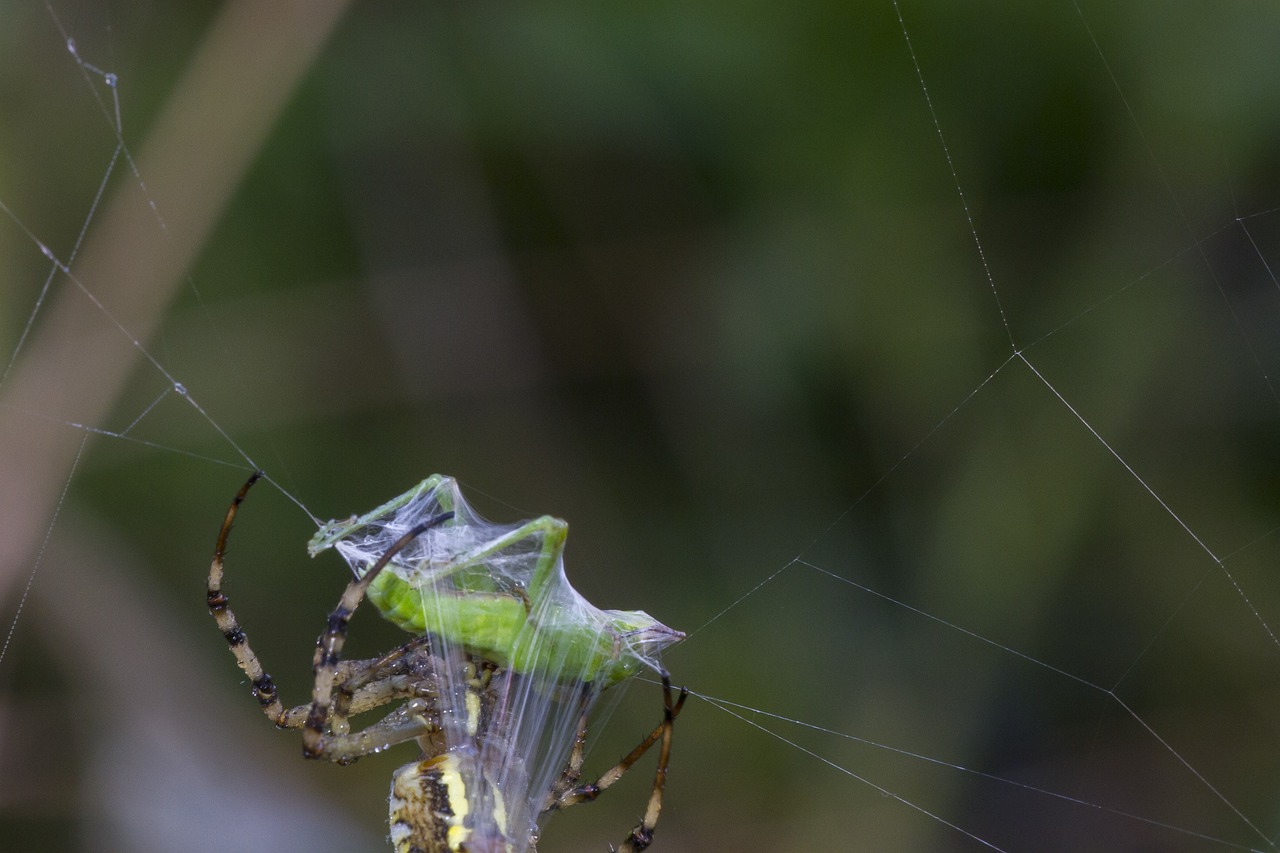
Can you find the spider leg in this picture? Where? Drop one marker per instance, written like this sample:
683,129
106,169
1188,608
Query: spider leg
315,742
404,672
417,718
414,719
572,773
642,834
263,687
407,670
363,685
566,793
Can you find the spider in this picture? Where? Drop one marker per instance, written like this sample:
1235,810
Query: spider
457,797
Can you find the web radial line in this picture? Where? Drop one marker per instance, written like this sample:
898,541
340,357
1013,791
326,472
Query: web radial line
1163,505
1132,473
799,557
31,318
64,267
291,496
56,267
904,457
111,114
864,780
1164,626
953,626
725,704
1193,246
1109,693
1182,214
137,420
137,344
955,177
1258,251
177,386
186,395
1194,772
745,596
44,545
142,442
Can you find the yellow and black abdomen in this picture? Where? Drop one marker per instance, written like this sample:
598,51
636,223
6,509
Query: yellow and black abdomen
449,804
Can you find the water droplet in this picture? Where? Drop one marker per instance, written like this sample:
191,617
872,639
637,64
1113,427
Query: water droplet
180,388
110,79
71,46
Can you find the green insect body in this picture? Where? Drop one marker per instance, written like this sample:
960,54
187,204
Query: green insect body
497,591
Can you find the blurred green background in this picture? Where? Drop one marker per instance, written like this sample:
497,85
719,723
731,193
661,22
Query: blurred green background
697,279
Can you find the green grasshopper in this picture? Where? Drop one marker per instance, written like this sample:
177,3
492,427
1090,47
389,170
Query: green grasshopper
497,591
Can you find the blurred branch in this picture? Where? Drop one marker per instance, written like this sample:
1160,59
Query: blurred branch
215,121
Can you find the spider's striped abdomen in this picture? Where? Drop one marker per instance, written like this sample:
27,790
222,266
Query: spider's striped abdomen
434,809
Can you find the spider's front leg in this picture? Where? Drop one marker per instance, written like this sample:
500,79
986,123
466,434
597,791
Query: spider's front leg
406,672
264,689
368,678
318,738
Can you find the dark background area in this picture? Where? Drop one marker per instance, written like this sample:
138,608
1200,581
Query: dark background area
700,281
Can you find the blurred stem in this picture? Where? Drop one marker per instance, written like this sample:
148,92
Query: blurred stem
217,118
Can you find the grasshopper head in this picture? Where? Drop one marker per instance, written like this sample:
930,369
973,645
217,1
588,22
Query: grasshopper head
642,639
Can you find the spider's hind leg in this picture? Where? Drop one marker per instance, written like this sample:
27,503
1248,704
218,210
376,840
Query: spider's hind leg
568,792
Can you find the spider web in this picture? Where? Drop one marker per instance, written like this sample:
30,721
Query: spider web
917,362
